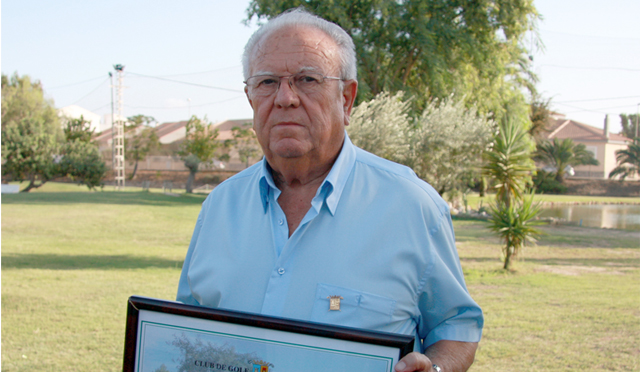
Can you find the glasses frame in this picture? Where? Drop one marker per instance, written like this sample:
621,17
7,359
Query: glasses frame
290,79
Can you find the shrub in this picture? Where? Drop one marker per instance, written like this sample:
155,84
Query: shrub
546,183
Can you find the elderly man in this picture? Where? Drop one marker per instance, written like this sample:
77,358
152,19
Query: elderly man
319,218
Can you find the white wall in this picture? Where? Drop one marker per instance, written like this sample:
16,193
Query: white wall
75,112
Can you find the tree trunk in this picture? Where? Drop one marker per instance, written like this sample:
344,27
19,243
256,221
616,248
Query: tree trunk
507,258
192,177
32,185
135,169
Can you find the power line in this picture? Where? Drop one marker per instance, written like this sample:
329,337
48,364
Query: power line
187,83
100,108
598,99
591,36
592,68
178,108
598,110
78,83
203,72
88,94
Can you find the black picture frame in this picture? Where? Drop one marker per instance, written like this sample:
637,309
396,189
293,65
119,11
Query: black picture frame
148,316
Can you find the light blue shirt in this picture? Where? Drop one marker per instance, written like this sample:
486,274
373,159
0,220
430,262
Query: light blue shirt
375,235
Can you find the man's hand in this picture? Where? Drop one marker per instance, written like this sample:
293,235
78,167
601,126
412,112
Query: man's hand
451,356
414,362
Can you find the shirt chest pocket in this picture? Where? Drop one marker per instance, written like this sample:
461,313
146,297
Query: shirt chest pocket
356,309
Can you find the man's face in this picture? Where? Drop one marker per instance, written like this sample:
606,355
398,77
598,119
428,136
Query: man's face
290,124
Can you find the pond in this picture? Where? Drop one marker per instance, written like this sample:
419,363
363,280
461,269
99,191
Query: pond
616,216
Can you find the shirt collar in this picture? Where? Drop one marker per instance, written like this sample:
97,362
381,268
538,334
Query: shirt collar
331,188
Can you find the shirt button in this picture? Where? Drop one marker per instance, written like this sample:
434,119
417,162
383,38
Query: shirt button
280,222
281,271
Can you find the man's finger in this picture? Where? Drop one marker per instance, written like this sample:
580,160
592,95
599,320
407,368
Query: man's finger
414,362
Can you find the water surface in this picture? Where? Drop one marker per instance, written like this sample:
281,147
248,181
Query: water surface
614,216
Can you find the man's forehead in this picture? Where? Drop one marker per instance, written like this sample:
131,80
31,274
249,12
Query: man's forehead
301,43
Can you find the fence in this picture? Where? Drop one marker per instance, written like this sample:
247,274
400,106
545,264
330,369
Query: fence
173,163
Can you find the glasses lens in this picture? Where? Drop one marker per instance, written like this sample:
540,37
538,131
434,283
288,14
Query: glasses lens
263,85
307,82
304,82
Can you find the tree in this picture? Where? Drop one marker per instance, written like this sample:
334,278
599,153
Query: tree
77,130
431,48
34,148
199,146
515,224
140,139
443,145
79,157
540,115
209,354
31,132
508,162
629,124
245,142
82,163
509,165
628,162
29,148
446,145
162,368
381,126
23,99
560,154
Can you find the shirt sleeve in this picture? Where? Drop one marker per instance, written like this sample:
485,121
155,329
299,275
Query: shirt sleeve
184,288
447,310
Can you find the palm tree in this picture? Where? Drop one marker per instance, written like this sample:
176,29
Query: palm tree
515,225
628,161
509,165
563,153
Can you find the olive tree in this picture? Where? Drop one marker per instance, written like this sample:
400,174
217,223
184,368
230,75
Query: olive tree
34,146
199,146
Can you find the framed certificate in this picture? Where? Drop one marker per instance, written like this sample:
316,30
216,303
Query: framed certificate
167,336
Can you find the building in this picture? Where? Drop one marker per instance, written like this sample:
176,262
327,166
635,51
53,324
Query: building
75,112
171,134
601,142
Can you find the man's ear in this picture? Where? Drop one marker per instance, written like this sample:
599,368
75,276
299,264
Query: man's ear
349,93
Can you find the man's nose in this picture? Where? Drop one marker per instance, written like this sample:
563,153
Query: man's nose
286,95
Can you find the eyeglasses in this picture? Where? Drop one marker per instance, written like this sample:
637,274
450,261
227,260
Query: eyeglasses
304,82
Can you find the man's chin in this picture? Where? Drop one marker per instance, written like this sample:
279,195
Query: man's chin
289,149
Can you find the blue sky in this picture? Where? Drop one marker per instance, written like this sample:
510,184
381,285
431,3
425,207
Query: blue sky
589,66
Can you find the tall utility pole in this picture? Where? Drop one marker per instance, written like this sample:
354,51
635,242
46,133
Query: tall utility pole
118,138
113,127
637,122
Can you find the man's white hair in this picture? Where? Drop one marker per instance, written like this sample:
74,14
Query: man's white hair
300,17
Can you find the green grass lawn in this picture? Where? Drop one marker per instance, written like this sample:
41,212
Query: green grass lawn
71,258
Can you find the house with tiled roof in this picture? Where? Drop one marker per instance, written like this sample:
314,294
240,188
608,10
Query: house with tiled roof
225,127
171,132
174,133
601,142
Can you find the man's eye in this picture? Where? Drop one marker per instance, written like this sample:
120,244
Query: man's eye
308,79
268,81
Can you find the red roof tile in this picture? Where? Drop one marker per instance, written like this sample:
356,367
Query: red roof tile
564,128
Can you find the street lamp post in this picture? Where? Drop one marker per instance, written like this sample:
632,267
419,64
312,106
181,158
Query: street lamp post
637,121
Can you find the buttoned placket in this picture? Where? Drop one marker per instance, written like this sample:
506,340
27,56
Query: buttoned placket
280,279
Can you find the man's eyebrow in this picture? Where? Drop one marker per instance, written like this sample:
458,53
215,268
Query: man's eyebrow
310,69
303,69
260,73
